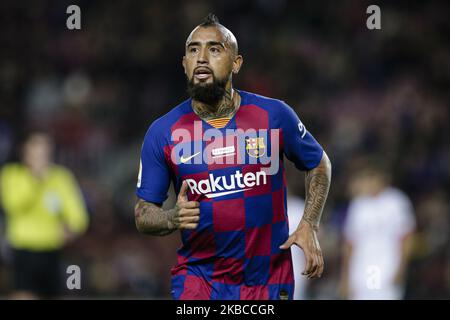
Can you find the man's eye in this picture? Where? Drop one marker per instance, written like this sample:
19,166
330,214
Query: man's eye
214,49
193,50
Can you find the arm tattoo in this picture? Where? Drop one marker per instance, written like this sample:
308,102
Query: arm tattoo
317,185
152,219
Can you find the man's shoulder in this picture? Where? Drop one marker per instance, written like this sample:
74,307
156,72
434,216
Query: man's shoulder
272,105
12,168
396,196
260,100
61,172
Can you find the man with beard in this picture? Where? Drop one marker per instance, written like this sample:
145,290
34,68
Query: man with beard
232,216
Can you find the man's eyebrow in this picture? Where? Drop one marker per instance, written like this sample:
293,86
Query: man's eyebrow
195,43
216,43
209,43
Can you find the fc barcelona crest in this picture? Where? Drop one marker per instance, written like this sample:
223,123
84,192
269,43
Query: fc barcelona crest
255,147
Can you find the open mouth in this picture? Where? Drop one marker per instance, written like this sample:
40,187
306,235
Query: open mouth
202,73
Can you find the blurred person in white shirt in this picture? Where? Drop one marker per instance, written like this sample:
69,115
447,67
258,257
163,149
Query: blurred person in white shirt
295,207
377,237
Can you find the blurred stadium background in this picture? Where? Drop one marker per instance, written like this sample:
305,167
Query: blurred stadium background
360,92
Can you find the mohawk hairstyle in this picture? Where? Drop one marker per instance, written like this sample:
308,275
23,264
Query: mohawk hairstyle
210,20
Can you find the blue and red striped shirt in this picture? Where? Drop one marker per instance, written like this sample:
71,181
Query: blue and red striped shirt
234,252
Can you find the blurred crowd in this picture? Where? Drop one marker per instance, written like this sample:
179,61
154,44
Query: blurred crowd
361,93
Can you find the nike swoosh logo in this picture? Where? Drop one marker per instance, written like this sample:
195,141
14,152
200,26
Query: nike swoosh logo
184,160
220,194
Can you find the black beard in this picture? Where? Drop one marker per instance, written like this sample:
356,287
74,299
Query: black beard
209,94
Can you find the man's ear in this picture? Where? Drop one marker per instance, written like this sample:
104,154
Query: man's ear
184,64
237,63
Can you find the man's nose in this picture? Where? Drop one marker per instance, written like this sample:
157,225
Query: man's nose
203,56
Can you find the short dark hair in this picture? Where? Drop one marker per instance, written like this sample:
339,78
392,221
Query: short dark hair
210,20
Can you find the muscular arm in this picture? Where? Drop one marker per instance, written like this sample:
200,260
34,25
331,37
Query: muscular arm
151,219
317,185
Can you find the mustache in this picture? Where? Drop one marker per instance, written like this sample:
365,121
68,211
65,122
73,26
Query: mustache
202,68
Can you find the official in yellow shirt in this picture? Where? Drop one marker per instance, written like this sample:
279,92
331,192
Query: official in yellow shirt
44,209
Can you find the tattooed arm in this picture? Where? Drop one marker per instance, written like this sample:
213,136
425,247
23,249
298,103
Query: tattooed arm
151,219
317,185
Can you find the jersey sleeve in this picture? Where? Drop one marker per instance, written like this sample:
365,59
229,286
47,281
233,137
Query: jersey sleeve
299,145
154,175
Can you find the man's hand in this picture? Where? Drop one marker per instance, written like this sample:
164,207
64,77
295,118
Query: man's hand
317,184
186,214
306,238
152,219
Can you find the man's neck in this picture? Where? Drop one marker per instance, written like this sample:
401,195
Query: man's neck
226,107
